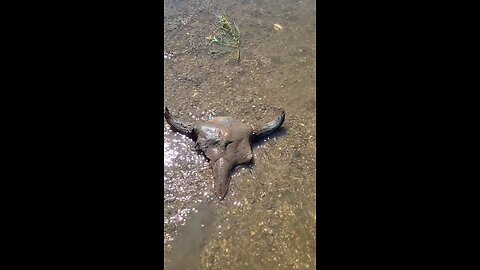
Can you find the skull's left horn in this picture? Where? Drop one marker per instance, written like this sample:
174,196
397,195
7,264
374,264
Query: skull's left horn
182,126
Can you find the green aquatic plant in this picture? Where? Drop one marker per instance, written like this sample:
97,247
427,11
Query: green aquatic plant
227,34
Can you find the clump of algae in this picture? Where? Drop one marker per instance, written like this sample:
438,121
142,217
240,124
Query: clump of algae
227,34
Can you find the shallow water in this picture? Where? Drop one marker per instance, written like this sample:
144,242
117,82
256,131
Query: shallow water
267,220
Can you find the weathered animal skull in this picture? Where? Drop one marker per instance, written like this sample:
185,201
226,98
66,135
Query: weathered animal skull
225,142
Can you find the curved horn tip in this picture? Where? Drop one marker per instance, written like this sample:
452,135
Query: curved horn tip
167,115
282,114
277,123
270,126
179,125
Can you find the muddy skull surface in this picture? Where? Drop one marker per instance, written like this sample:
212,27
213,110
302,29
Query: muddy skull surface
225,141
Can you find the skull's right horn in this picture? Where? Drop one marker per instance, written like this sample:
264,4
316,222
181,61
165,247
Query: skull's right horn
269,127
